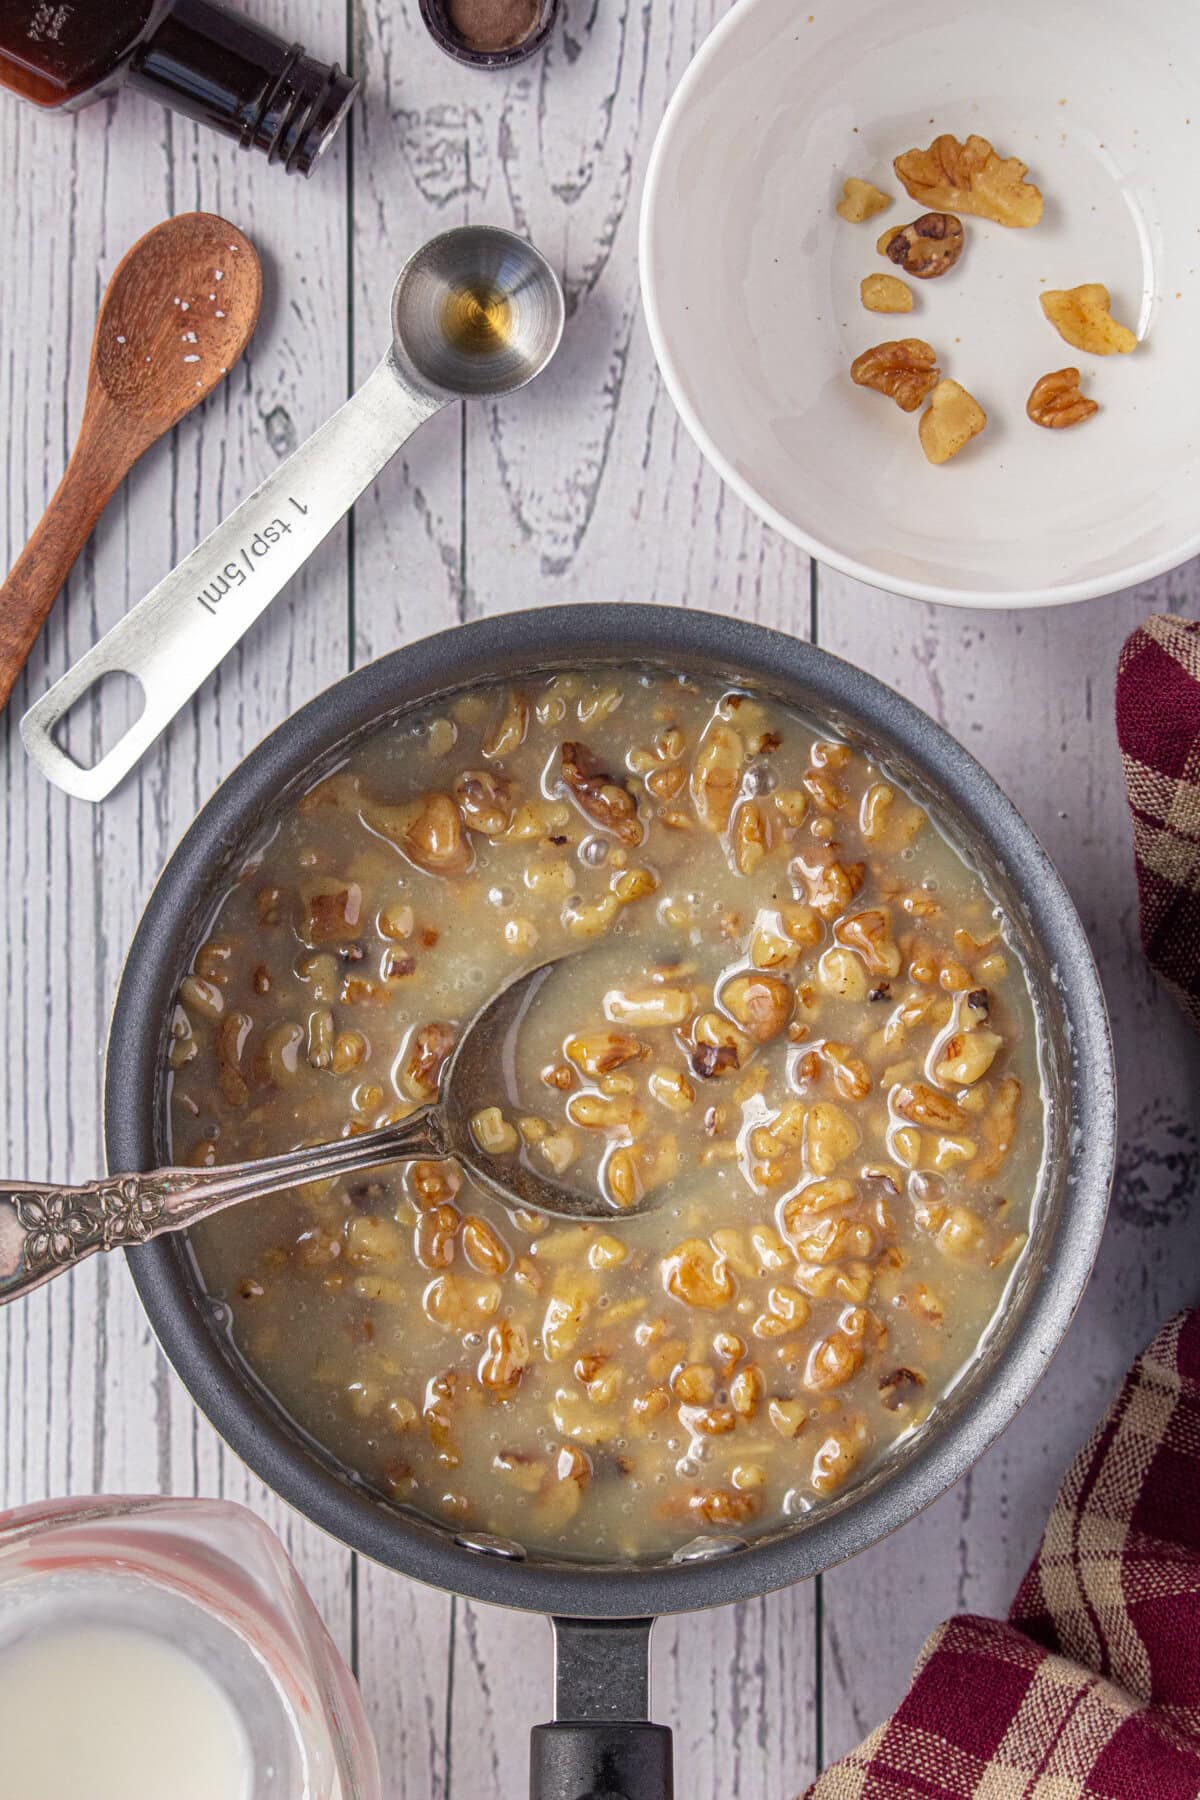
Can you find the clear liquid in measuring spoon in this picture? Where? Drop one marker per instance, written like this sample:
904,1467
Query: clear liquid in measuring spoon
109,1712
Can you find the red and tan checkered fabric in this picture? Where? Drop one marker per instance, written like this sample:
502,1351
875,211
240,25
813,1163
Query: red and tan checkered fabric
1158,728
1091,1691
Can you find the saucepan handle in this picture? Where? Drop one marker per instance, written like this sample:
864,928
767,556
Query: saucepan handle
601,1745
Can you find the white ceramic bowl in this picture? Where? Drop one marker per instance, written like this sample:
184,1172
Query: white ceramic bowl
750,284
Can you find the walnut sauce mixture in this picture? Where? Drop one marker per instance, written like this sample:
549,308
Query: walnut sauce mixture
799,1027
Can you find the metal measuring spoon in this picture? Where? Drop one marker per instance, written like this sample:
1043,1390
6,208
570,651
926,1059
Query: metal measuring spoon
476,312
44,1230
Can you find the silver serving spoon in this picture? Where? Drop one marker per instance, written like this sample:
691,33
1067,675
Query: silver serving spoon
44,1230
477,312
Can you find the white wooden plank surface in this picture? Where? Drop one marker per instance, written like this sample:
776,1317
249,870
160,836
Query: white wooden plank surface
88,1401
583,488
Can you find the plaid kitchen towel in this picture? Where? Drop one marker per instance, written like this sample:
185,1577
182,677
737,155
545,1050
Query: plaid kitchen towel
1158,728
1091,1691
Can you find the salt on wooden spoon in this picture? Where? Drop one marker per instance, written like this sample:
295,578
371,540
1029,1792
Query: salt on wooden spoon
180,309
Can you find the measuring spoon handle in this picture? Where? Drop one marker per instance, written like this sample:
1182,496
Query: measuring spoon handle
173,639
45,1230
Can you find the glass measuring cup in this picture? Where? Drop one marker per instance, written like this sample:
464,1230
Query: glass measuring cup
201,1594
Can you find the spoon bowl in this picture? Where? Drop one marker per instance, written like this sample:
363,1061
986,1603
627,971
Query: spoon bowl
180,309
485,1057
477,312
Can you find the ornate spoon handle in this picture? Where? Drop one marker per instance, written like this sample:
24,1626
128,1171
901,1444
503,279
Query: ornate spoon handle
44,1230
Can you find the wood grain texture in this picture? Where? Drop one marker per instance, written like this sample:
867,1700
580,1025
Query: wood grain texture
102,457
584,487
89,1403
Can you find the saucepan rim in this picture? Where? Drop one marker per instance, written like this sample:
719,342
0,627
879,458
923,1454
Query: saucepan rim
733,650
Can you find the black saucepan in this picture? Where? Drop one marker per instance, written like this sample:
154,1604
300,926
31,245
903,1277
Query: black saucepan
601,1743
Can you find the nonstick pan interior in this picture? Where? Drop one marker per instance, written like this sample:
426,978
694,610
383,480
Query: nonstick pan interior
1076,1055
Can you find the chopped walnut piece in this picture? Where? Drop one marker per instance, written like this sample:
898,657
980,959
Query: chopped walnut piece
836,1457
645,1005
601,1052
900,1388
969,177
428,1049
630,1171
508,731
831,1362
746,1391
1081,315
1056,401
486,799
716,774
432,1184
484,1247
436,1235
830,1136
951,420
429,831
600,797
334,915
906,370
999,1124
493,1133
781,935
870,935
829,885
861,200
750,836
966,1056
851,1076
507,1355
718,1045
929,247
696,1274
761,1004
723,1506
886,294
924,1105
566,1311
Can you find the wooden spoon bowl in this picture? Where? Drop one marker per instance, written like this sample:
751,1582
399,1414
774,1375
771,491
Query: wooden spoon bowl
179,310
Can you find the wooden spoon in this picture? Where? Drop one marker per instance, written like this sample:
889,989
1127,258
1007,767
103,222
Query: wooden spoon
180,309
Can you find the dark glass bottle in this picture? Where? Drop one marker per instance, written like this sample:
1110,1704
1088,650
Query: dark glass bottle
193,55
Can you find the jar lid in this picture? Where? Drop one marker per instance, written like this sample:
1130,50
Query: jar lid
489,34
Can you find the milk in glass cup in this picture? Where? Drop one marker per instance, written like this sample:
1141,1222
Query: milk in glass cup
163,1647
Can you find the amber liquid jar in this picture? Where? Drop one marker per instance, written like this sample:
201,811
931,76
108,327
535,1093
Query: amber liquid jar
195,56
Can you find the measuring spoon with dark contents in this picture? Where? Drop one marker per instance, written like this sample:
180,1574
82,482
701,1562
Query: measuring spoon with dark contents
44,1230
476,313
